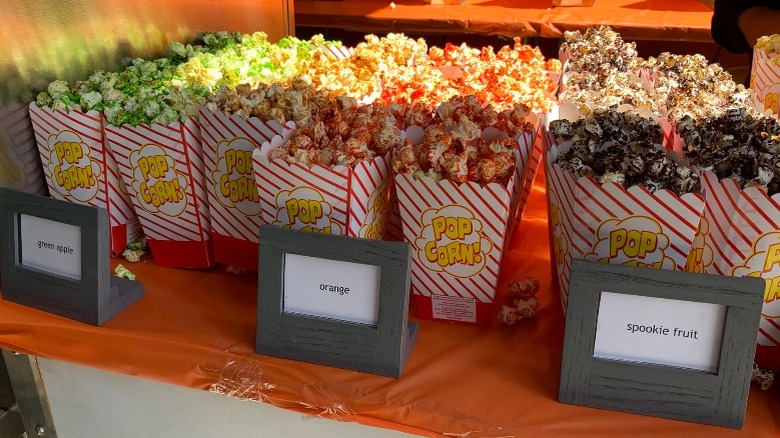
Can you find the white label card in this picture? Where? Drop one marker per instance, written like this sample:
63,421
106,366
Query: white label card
661,331
332,289
50,246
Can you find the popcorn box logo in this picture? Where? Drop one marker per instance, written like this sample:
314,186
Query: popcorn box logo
701,255
764,261
235,185
157,184
304,208
451,240
634,241
772,99
73,172
560,244
376,217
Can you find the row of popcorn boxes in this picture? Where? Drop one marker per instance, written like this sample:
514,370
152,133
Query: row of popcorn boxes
725,230
148,178
201,190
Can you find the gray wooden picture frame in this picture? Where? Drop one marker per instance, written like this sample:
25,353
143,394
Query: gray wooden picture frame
711,398
96,297
382,349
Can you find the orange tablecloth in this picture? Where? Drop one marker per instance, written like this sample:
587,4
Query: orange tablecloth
661,20
197,329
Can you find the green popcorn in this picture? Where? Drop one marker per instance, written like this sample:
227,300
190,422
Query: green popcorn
44,100
91,100
122,272
57,89
141,243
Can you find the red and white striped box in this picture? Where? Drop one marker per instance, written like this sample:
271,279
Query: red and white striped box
20,165
529,157
458,232
333,200
80,168
611,224
740,236
162,166
765,80
234,201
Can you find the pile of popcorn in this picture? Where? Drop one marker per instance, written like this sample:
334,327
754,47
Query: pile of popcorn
604,70
512,74
596,55
690,85
521,302
371,62
142,92
300,102
624,148
452,146
771,45
342,137
735,145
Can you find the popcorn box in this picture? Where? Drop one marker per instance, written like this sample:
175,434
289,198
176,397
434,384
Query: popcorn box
765,80
739,236
529,158
458,232
80,168
234,201
611,224
20,165
334,200
162,166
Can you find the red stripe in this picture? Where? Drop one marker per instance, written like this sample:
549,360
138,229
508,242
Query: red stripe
729,222
440,279
138,145
772,322
242,225
155,228
300,182
609,195
159,132
766,335
196,199
69,126
500,218
660,219
761,212
221,121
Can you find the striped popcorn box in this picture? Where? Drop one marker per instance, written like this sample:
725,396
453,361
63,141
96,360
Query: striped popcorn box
528,160
334,200
765,80
457,232
234,201
79,168
740,236
20,165
162,166
611,224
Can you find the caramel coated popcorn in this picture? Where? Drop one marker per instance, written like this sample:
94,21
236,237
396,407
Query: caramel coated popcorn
600,52
690,85
771,45
361,74
342,137
300,102
452,146
521,303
